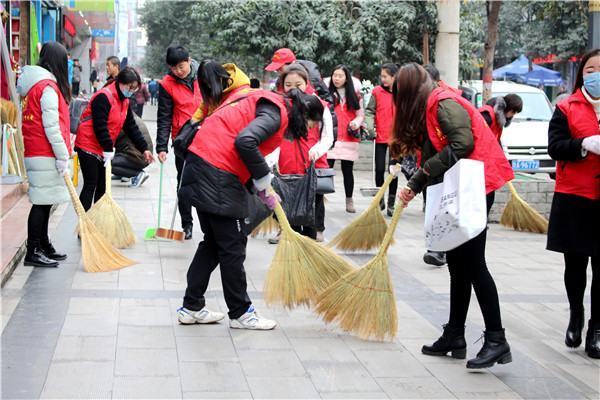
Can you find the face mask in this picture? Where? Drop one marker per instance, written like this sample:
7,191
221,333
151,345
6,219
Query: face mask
591,82
127,93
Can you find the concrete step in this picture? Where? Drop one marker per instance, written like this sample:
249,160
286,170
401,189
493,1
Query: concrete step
13,228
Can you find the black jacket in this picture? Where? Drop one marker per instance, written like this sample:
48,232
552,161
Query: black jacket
164,115
215,191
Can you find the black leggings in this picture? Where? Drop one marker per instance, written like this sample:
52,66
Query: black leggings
381,150
94,179
37,223
576,280
468,269
348,175
319,213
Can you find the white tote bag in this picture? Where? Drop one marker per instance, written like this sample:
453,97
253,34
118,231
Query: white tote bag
456,208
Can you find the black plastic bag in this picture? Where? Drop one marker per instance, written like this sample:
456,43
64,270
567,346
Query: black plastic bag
297,194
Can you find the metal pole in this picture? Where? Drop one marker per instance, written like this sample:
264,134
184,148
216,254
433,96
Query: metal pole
446,44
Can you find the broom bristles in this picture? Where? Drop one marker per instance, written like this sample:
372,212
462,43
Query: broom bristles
367,231
111,221
267,227
301,268
521,216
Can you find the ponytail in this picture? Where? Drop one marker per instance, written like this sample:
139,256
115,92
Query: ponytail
304,107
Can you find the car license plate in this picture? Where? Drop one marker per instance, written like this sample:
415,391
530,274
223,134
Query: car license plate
525,165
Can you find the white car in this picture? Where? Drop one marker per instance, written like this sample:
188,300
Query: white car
525,140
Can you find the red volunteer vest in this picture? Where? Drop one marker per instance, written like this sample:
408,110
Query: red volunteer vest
486,147
384,114
215,141
34,136
495,127
580,177
185,102
344,117
86,138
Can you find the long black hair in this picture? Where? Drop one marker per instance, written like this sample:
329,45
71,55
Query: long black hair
352,101
213,79
304,107
584,60
129,75
53,57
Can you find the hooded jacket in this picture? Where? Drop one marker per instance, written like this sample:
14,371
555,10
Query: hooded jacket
46,186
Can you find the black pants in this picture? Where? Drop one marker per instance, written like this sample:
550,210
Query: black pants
319,213
381,150
348,175
308,231
124,167
224,244
468,269
94,179
75,88
37,223
138,109
184,204
576,280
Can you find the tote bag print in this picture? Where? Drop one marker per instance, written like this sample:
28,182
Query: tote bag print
456,208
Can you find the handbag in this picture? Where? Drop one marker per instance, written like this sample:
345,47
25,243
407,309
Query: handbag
325,184
184,138
456,211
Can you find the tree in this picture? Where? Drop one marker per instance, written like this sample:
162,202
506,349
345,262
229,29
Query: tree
492,12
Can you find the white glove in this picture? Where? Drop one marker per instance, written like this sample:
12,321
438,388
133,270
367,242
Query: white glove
592,144
108,156
395,169
62,166
313,154
263,183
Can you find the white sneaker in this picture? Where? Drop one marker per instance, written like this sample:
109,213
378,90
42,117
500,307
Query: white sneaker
251,320
204,316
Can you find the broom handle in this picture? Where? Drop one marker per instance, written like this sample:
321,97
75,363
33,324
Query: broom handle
108,179
177,198
74,198
160,193
382,189
389,234
282,218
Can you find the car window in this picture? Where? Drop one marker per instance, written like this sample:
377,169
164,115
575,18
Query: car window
535,107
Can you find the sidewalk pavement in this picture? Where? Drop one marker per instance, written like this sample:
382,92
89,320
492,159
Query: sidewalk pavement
71,334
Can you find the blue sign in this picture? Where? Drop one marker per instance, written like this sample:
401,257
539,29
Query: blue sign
108,33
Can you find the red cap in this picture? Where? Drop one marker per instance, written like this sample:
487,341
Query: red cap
280,58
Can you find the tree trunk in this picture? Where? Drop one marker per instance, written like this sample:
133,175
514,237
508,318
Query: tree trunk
492,11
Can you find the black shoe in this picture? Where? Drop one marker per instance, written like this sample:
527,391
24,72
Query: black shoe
188,231
390,205
436,258
382,204
35,256
51,252
576,322
495,350
452,340
592,340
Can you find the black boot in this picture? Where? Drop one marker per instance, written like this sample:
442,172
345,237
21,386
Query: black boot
495,350
35,256
576,322
592,339
390,206
382,204
452,340
50,251
188,231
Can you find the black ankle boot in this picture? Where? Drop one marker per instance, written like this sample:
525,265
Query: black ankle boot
495,350
592,339
576,322
452,340
50,251
35,256
390,205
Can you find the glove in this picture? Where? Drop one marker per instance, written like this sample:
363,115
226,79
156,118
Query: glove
269,198
108,156
592,144
395,170
62,166
263,183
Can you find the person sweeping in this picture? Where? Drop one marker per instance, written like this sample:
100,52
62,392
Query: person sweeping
225,158
106,114
445,127
46,137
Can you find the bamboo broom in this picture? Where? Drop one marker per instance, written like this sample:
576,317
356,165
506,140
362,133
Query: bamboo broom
363,301
301,268
521,216
110,219
96,252
268,226
368,229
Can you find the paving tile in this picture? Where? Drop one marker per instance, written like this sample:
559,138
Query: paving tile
340,377
268,340
488,395
89,325
94,380
271,363
457,378
282,388
190,348
414,388
85,348
218,395
212,376
584,375
145,316
104,306
198,330
389,364
146,362
141,337
146,388
323,349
